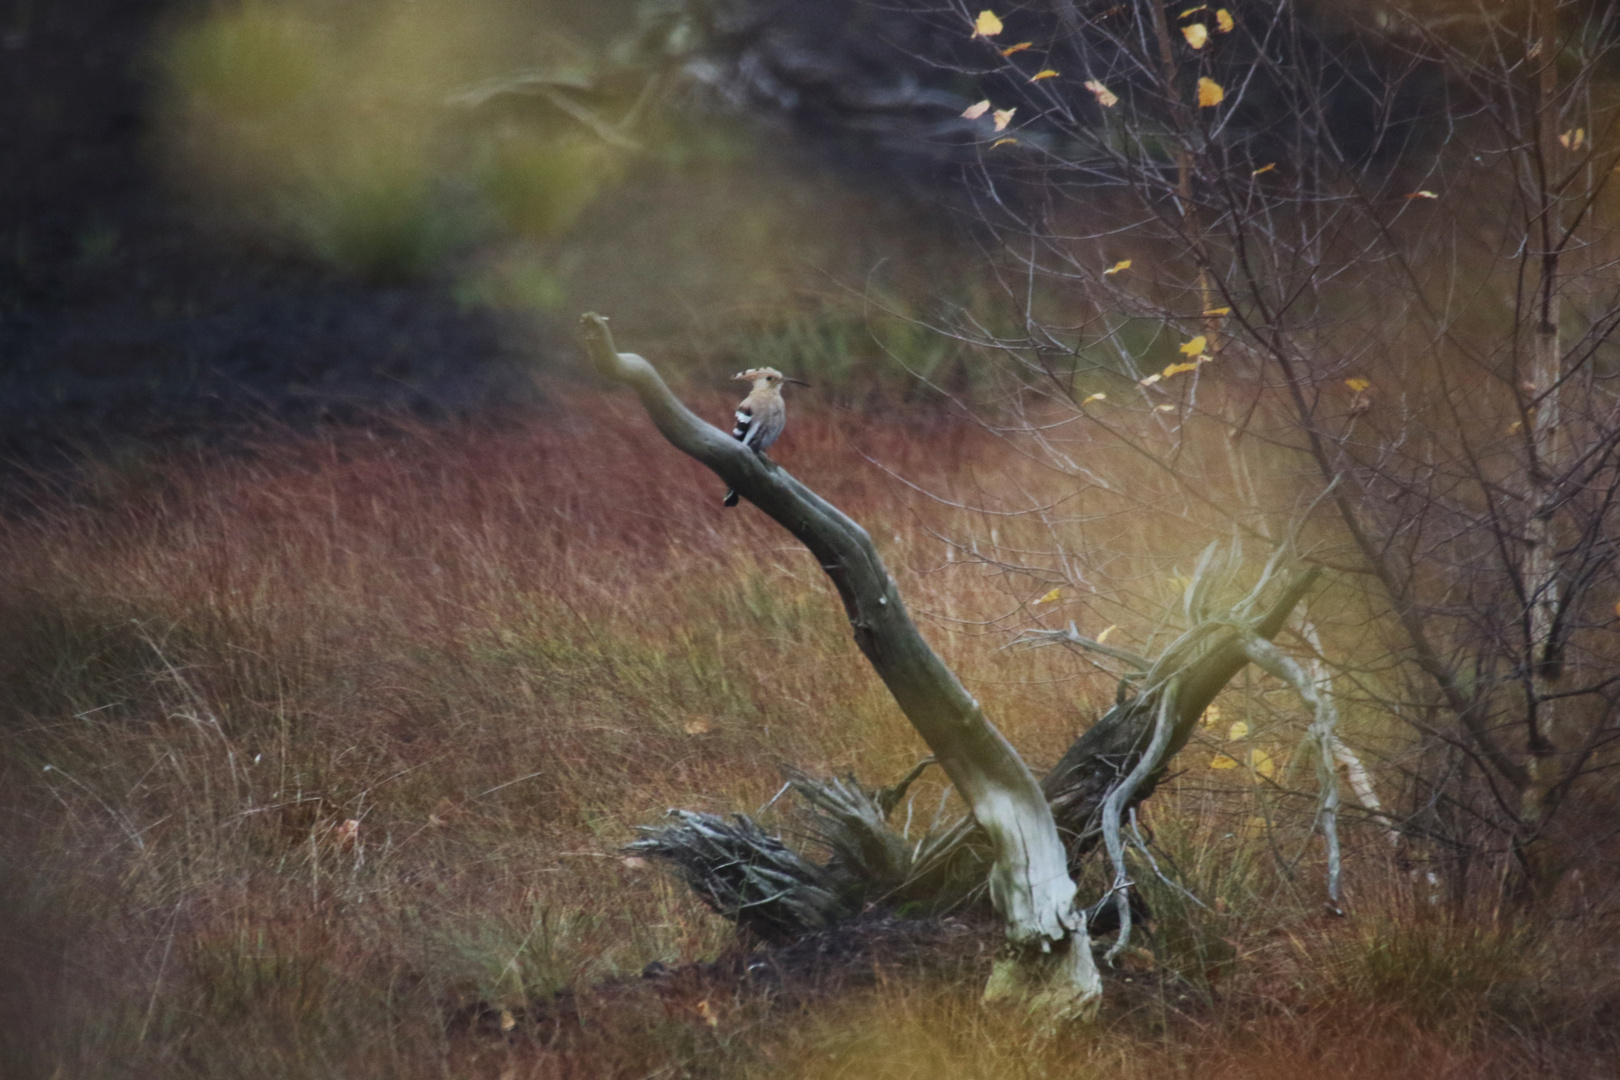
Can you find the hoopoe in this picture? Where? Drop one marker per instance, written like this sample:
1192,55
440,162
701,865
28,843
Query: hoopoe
761,415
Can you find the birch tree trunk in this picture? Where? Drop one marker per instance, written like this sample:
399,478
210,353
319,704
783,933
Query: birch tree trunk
1545,465
1047,961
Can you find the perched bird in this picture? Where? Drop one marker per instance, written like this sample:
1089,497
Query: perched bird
761,415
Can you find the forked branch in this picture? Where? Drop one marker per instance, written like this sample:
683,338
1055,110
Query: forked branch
1050,960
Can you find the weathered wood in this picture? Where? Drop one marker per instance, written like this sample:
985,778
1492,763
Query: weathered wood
1107,771
1049,960
1110,749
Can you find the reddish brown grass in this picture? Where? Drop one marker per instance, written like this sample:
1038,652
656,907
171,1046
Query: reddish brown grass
307,748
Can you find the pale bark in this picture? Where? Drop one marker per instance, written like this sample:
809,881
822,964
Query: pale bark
1541,481
1324,718
1049,961
1123,794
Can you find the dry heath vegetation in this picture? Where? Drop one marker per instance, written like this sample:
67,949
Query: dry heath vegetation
317,761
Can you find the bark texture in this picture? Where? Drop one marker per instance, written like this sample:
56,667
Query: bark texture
1200,664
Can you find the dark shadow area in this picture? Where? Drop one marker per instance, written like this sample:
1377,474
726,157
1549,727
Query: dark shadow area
120,317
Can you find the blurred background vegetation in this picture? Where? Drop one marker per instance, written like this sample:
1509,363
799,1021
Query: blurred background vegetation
535,159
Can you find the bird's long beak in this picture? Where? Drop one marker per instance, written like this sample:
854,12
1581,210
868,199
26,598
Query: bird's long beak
796,382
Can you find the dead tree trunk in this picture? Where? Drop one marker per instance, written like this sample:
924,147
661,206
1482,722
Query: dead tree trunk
778,894
1202,662
1049,960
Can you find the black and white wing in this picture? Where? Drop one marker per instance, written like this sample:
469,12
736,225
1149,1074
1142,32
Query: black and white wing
760,419
759,425
746,430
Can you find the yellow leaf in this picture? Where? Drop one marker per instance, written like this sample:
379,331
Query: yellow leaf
710,1015
1123,264
1150,380
973,112
1223,21
1054,595
986,25
1102,637
1210,93
1358,385
1211,717
697,726
1195,346
1423,195
1572,140
1221,761
1238,730
1002,142
1045,73
1196,34
1193,11
1515,427
508,1021
1210,313
1264,168
1177,369
1098,396
1163,408
1004,117
1105,97
1261,762
1018,48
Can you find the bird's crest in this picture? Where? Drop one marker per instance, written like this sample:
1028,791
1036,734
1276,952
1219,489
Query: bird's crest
769,374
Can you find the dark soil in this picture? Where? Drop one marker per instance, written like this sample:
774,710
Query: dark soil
851,956
748,986
121,318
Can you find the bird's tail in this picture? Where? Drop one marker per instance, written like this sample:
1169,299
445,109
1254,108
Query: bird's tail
731,497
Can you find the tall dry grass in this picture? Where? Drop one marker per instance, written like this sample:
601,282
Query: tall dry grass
306,749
